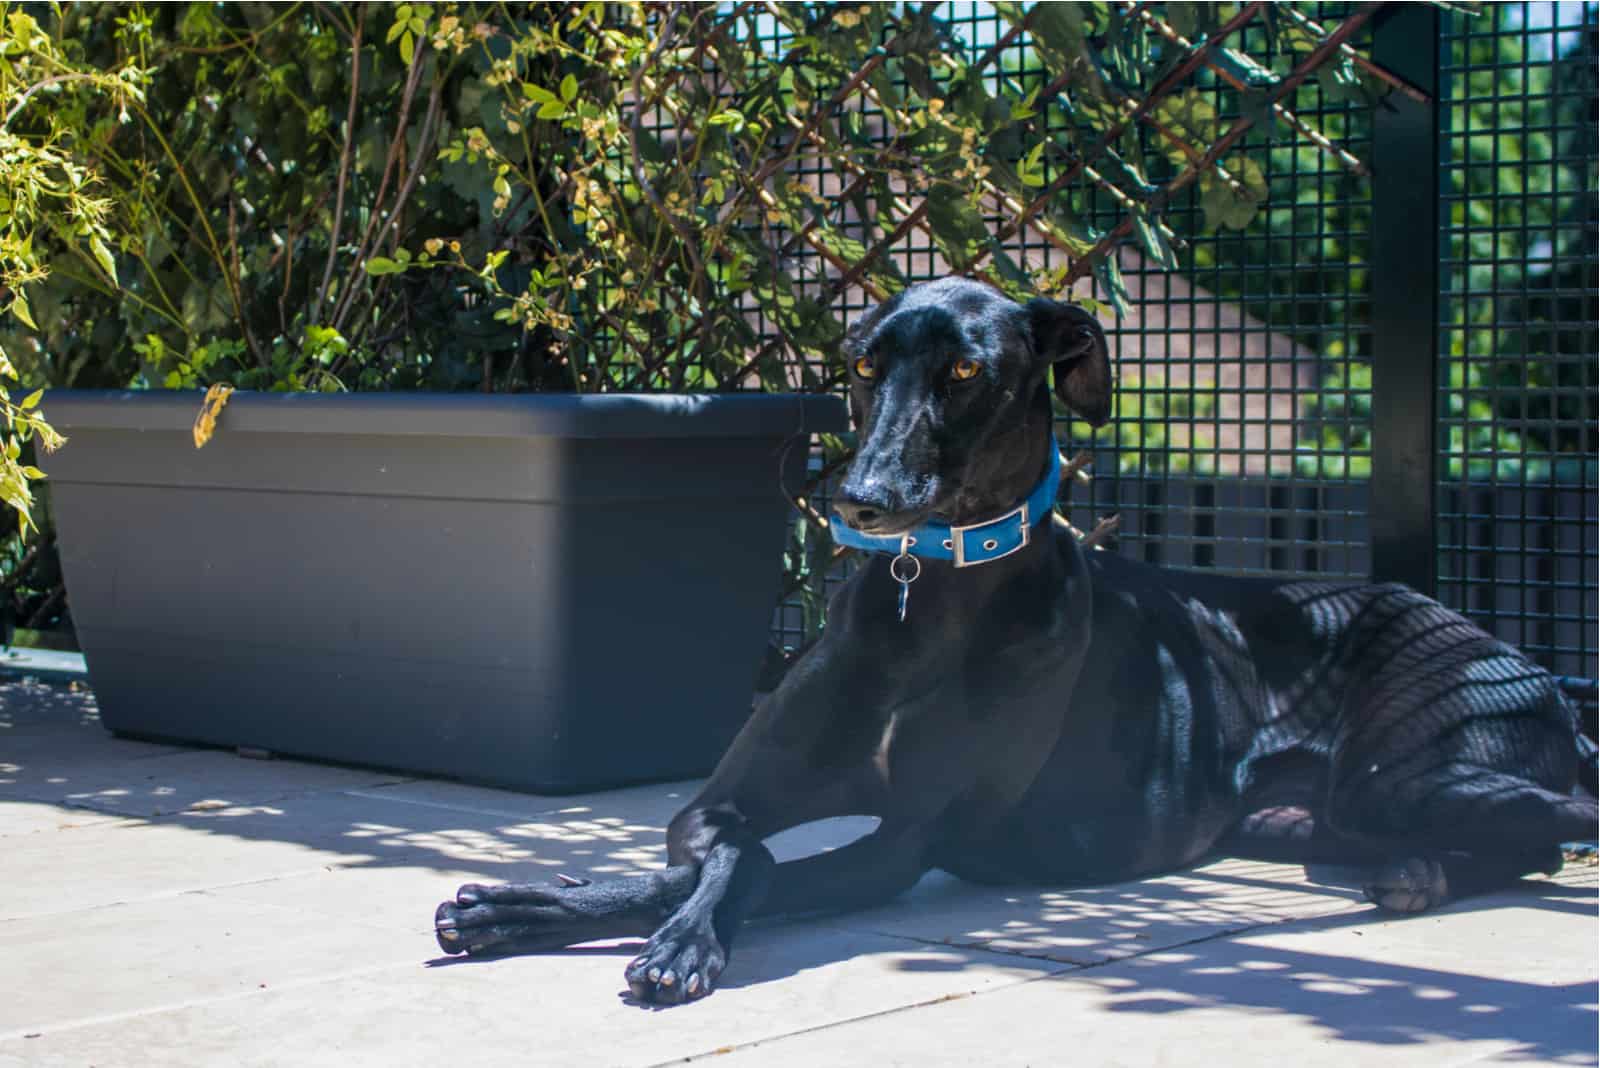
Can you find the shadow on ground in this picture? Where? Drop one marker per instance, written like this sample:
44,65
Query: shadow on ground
389,847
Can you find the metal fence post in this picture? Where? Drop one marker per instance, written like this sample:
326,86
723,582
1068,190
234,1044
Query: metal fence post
1405,302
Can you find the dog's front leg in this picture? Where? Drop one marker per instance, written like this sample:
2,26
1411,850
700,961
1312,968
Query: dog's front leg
738,880
683,958
525,917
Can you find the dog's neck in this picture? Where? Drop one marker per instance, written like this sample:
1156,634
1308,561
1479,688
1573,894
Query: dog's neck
1024,458
1005,474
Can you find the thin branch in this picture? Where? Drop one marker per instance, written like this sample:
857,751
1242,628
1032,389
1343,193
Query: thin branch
636,130
1299,125
424,146
363,248
238,280
1389,78
1289,84
43,83
1246,13
344,168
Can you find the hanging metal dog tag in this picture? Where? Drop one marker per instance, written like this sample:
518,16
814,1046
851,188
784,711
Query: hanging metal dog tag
905,569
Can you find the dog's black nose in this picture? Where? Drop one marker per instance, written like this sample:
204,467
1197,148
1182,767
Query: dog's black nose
870,515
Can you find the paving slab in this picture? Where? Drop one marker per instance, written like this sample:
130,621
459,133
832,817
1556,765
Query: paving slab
161,954
26,704
656,801
138,779
130,860
303,834
172,906
1090,925
1510,977
561,1009
25,817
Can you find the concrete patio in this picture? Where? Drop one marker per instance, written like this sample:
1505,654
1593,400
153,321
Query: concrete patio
173,906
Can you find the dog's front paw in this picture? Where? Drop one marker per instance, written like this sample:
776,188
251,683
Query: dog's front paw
483,919
1409,885
680,962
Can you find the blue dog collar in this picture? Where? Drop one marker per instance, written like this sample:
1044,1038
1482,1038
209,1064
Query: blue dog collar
975,543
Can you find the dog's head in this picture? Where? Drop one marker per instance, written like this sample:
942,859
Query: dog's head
947,390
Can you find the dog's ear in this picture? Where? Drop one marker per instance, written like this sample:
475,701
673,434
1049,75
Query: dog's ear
1070,338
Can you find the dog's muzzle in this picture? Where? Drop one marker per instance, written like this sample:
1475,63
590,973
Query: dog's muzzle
970,543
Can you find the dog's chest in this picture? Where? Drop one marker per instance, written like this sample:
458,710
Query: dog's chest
1001,713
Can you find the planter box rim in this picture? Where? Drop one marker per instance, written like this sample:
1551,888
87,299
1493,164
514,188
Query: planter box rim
640,415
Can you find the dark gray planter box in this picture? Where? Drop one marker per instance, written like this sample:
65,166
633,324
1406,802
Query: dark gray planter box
552,593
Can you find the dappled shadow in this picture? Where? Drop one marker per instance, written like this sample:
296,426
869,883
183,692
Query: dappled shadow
1186,942
53,752
1356,996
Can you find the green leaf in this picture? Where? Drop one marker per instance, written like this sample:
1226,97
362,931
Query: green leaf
1244,68
1057,32
19,308
1023,109
957,226
1031,172
538,93
569,88
554,109
1153,243
1109,275
1233,205
31,400
103,256
408,46
379,265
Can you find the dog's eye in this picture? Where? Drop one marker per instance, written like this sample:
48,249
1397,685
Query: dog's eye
965,370
864,366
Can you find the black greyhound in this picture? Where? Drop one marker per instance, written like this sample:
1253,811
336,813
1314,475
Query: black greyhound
1014,709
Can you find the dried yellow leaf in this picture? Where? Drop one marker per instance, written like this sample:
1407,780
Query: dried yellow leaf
206,423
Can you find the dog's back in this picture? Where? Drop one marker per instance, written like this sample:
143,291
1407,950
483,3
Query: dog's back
1380,713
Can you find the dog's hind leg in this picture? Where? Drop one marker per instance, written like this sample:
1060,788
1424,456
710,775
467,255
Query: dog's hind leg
1423,881
1458,830
1454,754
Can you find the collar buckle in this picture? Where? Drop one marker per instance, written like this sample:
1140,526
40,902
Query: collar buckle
990,548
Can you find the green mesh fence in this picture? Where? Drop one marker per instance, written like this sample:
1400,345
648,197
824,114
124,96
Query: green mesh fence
1244,438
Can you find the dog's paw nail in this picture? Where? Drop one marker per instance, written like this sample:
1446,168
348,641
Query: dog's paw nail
667,979
655,975
693,984
568,880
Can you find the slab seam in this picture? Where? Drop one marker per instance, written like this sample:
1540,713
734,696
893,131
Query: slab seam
1055,973
178,1006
